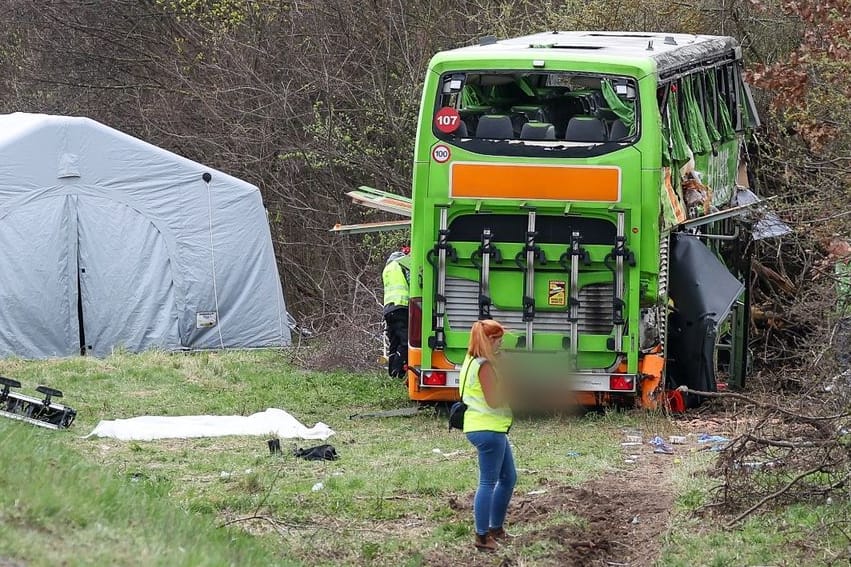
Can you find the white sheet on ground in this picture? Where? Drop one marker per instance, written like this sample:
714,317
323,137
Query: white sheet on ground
273,422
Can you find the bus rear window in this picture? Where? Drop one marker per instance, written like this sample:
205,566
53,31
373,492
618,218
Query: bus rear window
536,109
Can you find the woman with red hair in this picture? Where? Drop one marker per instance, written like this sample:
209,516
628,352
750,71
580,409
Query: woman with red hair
486,423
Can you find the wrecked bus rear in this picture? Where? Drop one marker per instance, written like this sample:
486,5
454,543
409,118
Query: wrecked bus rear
581,188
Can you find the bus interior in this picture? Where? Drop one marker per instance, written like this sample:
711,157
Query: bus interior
539,107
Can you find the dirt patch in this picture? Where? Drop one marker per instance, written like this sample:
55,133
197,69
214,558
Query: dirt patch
623,518
616,520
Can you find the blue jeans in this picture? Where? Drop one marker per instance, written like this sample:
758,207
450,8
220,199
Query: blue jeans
497,477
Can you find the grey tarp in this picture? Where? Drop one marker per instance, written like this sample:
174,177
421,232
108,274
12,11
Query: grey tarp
104,234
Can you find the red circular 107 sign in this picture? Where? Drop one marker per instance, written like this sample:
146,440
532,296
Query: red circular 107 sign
447,120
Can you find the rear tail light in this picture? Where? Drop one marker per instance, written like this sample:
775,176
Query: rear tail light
415,322
434,378
620,382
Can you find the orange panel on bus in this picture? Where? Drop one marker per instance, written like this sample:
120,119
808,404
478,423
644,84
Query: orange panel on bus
536,182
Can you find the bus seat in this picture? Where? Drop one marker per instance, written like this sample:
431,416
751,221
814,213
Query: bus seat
461,132
560,110
618,130
531,112
538,131
518,119
495,126
585,129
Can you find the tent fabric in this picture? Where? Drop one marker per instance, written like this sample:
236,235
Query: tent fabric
107,238
273,421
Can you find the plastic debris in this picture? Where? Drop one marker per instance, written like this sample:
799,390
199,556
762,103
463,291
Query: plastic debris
452,454
706,438
659,446
317,487
573,454
717,441
676,439
757,465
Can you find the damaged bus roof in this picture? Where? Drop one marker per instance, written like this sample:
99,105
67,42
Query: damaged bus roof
662,52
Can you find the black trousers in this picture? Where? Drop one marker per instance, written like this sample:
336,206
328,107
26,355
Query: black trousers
396,329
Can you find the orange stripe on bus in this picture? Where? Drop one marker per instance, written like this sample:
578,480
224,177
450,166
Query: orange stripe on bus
536,182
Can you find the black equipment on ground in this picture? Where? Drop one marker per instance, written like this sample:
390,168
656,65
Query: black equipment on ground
44,412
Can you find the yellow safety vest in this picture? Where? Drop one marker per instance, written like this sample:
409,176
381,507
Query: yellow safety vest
395,284
479,415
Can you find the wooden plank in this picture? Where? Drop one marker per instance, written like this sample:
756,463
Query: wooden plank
373,198
380,193
371,227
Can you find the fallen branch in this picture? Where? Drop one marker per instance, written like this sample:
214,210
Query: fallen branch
772,496
737,396
781,280
789,444
277,524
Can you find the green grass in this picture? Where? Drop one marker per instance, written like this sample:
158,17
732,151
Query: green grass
401,489
804,536
800,535
59,509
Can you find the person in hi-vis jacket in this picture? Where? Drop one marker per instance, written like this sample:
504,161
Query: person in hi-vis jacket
397,282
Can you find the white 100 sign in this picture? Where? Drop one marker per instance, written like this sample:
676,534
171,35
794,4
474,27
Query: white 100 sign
440,154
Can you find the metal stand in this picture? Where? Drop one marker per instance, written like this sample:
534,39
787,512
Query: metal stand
525,260
576,253
442,250
620,254
482,259
44,412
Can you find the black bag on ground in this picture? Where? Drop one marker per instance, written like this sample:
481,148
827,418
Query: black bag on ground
456,416
318,453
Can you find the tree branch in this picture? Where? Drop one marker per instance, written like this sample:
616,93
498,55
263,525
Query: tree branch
772,496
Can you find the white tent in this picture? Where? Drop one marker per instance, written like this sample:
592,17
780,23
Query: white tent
110,242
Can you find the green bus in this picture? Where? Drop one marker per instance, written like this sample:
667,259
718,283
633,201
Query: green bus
585,189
